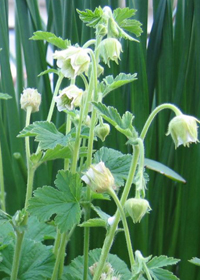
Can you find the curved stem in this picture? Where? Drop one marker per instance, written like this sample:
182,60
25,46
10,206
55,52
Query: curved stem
154,113
17,254
125,225
111,233
89,43
2,189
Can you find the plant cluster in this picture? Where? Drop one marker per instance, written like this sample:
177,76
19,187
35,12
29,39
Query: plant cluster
88,175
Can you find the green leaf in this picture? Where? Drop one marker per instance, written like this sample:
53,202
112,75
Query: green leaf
51,38
39,231
75,269
163,169
117,163
57,152
122,15
46,134
195,261
96,222
109,83
5,96
122,124
36,261
162,274
90,17
62,201
104,216
51,70
161,261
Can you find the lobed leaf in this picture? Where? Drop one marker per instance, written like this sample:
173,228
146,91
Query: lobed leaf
195,261
5,96
51,38
90,17
117,163
124,124
161,261
62,201
109,83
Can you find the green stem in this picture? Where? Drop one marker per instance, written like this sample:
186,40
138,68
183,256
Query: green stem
154,113
2,189
55,94
29,190
88,163
147,272
125,225
57,242
89,43
17,254
27,142
111,233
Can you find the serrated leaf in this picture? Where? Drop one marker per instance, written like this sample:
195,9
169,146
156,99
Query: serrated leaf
46,134
76,267
39,231
104,216
122,17
36,261
163,169
90,17
63,201
57,152
122,124
162,274
161,261
109,83
5,96
51,38
117,163
195,261
96,222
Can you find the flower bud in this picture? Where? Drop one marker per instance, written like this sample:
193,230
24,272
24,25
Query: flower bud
73,61
102,30
102,130
30,98
69,98
109,49
136,208
99,178
183,130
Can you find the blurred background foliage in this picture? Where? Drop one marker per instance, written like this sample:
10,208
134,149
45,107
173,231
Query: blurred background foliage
167,61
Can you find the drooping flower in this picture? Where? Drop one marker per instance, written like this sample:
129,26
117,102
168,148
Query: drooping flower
99,178
30,98
110,49
183,130
102,131
73,61
69,98
136,208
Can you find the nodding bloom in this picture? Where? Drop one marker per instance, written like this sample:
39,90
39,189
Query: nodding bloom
30,98
110,49
136,208
73,61
102,131
183,130
69,98
99,178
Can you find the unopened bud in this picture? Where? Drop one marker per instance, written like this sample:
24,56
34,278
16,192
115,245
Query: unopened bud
102,130
136,208
30,98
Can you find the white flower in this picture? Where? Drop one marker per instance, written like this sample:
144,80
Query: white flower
183,129
99,178
69,98
73,61
30,98
110,49
111,220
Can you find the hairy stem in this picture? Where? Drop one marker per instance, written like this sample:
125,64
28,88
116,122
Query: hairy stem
17,254
111,233
2,189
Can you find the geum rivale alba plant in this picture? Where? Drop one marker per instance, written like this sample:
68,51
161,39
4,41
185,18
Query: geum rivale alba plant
54,212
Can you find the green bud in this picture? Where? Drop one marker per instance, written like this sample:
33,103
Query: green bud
183,130
136,208
19,220
101,30
102,130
